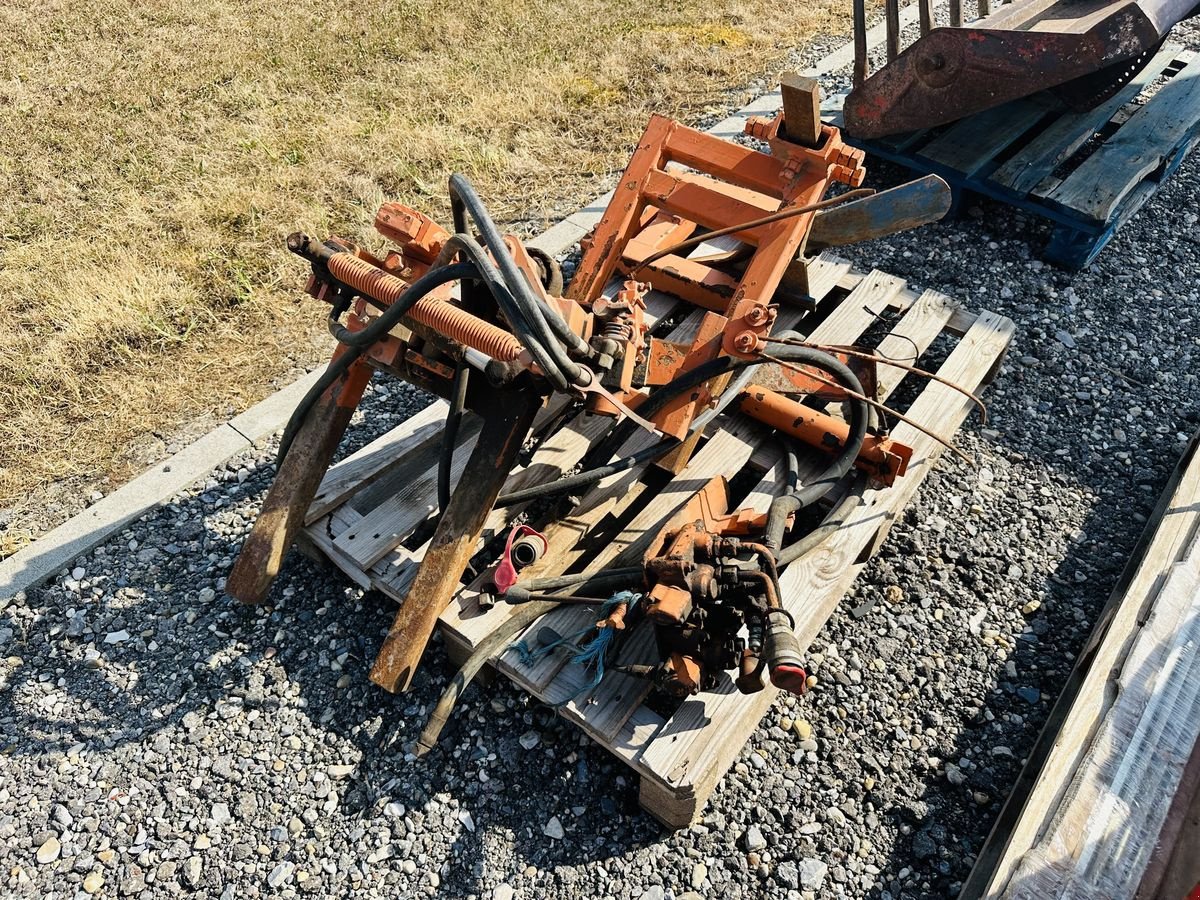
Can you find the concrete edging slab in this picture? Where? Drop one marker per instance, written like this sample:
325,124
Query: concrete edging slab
58,548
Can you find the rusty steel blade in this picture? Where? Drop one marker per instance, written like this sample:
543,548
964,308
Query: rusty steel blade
1024,48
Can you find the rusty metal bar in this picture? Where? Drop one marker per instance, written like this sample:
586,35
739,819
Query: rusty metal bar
509,417
295,485
892,14
861,64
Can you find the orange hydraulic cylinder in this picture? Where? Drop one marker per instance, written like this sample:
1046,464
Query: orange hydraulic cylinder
881,456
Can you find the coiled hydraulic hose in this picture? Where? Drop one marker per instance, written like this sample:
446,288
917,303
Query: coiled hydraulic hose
690,380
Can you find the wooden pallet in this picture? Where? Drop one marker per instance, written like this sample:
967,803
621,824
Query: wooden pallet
370,502
1087,172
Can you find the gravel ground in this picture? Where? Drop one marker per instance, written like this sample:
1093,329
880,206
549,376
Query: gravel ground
158,740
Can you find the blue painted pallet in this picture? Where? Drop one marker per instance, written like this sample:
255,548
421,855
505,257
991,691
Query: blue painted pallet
1087,172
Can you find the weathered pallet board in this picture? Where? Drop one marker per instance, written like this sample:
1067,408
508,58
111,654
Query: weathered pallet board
1087,172
1092,813
680,757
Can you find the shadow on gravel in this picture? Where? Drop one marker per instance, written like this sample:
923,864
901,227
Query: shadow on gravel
1089,419
142,662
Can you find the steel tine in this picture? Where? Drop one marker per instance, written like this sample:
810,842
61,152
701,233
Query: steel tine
893,28
860,42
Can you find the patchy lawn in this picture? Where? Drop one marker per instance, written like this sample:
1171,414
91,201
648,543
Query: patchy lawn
153,155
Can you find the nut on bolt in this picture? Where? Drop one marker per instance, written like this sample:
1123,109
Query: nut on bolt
745,342
758,315
758,127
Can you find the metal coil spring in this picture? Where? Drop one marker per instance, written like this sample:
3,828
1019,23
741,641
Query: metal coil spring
619,329
442,317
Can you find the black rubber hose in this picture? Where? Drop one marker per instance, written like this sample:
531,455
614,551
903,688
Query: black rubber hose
606,582
458,399
792,481
514,310
790,503
690,380
832,522
488,647
358,341
464,197
650,454
591,476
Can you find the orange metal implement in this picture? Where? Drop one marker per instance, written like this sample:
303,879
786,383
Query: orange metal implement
882,457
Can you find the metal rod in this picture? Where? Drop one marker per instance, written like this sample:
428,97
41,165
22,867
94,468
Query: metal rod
510,417
892,12
956,18
860,42
983,8
926,9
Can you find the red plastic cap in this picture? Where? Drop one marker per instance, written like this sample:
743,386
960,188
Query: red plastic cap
790,678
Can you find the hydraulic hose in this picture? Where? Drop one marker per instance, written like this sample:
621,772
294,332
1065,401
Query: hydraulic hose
790,503
488,647
514,310
692,379
832,522
649,454
591,476
463,197
458,399
610,580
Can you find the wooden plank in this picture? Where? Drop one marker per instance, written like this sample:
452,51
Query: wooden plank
1030,166
376,459
392,521
699,742
801,109
911,337
975,141
1073,720
875,294
1142,145
1118,799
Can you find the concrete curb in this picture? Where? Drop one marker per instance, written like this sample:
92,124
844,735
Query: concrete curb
59,548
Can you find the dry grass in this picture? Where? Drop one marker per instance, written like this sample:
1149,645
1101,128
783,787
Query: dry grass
153,154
